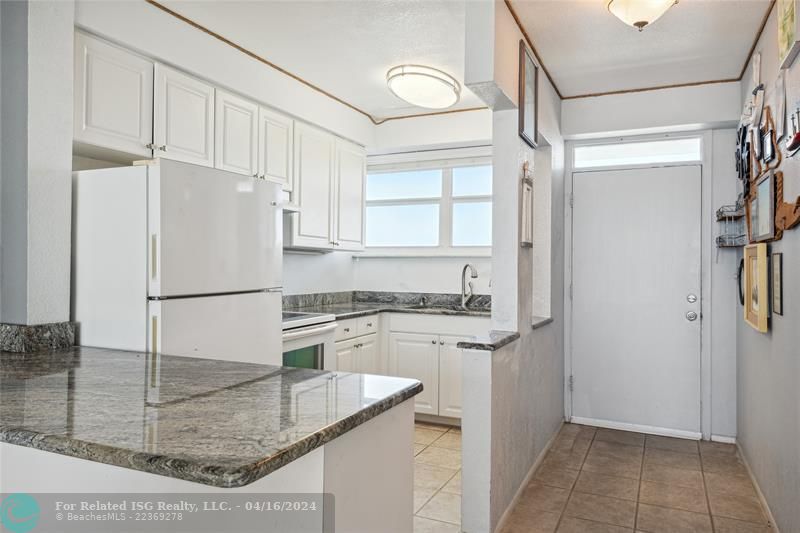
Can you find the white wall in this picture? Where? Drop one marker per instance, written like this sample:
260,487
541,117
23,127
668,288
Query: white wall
768,365
312,273
149,30
526,378
36,161
723,308
431,274
699,107
469,128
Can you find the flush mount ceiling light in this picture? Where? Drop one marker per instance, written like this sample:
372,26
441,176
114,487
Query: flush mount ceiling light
639,13
423,86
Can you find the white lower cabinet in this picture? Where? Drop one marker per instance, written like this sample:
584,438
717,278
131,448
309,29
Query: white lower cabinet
450,376
358,355
415,355
435,360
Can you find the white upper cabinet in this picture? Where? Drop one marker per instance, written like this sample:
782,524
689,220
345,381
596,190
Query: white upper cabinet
313,190
236,147
184,117
113,97
275,141
351,171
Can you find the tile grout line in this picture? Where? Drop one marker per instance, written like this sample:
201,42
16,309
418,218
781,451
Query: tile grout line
572,489
705,489
639,488
437,491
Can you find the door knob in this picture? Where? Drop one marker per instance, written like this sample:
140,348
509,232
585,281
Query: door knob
691,316
691,298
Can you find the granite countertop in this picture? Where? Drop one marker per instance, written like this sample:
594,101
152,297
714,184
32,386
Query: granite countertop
357,309
494,340
213,422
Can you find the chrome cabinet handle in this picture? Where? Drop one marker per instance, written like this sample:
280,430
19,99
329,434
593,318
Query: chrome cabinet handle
691,316
441,343
433,341
347,330
163,147
150,146
369,324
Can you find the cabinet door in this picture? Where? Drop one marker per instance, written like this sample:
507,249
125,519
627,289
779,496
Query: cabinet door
416,356
368,354
350,174
113,97
450,378
346,359
313,192
184,118
275,140
236,134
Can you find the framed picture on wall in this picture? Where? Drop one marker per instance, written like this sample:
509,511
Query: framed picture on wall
761,209
528,96
756,290
777,284
788,32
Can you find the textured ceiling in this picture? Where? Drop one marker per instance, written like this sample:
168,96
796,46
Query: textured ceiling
587,50
345,47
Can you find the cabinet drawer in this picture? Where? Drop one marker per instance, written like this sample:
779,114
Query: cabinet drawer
347,329
367,324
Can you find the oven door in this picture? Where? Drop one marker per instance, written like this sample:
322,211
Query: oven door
310,347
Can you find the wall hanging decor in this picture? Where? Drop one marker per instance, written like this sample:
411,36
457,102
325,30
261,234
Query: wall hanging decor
792,142
777,284
768,146
787,214
732,231
528,97
526,220
740,281
756,290
788,32
780,106
760,209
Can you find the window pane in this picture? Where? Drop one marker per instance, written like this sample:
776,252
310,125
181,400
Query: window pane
411,184
639,153
472,224
472,181
403,225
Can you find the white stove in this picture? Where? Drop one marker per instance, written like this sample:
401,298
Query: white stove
308,340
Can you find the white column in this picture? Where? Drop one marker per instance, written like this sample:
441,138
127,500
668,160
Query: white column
36,160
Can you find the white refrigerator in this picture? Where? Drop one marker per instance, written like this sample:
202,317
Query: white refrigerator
174,258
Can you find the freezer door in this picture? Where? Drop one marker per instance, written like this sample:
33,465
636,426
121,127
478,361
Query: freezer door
211,231
238,327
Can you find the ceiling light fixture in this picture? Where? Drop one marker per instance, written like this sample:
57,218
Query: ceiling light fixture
639,13
423,86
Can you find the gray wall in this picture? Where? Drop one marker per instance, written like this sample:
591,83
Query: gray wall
769,364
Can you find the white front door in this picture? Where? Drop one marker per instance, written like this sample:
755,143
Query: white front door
636,271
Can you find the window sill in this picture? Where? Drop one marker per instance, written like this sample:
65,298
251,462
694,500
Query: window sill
417,252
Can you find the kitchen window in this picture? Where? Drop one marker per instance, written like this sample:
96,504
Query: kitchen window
442,208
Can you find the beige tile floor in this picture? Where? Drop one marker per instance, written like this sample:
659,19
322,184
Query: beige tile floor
607,481
437,479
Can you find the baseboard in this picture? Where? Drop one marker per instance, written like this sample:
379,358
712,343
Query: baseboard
638,428
723,439
760,494
435,419
536,464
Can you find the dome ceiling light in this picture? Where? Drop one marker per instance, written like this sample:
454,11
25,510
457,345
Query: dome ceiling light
639,13
423,86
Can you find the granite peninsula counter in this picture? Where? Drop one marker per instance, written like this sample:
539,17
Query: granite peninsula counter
220,424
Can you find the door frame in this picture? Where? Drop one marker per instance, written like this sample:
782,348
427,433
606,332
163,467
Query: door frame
706,232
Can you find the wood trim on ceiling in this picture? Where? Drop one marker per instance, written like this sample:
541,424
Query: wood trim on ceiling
646,89
253,55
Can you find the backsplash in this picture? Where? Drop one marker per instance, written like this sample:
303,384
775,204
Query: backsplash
399,298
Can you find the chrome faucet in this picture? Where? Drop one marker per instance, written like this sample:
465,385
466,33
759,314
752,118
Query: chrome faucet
467,296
